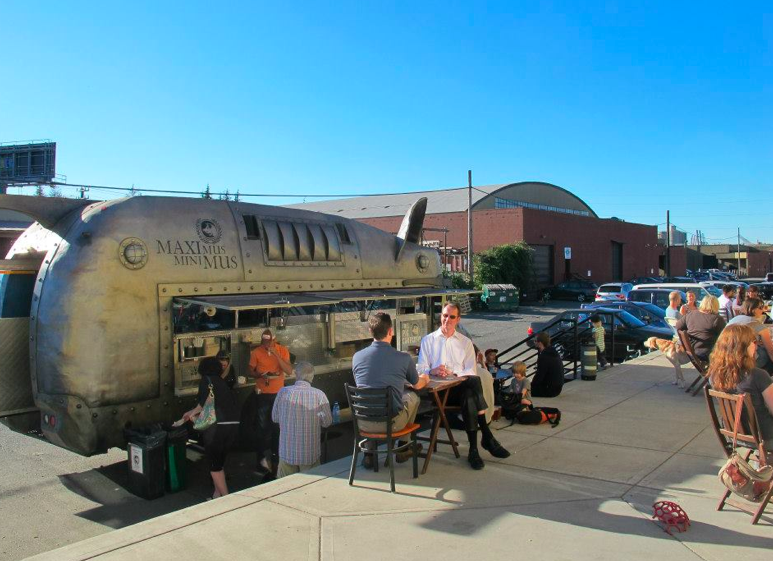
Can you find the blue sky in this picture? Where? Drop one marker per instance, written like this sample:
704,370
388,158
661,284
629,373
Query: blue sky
635,108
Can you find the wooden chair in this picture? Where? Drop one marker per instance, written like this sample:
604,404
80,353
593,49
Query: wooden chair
749,439
375,405
699,365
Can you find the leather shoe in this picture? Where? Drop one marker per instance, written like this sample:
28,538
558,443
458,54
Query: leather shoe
476,462
407,454
495,448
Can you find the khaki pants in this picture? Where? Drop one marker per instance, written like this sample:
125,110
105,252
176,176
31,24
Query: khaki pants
286,469
406,416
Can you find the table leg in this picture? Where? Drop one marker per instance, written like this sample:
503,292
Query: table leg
432,436
444,421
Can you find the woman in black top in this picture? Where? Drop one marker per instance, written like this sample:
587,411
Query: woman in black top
732,370
220,437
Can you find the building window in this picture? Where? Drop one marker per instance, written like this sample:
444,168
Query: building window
509,203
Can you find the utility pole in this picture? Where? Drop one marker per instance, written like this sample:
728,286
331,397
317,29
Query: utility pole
738,254
469,224
668,243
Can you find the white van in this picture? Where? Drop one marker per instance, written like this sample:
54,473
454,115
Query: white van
699,291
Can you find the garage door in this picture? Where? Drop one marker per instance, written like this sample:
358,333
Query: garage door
543,265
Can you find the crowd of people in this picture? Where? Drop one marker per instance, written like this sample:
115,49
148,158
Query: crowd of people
732,335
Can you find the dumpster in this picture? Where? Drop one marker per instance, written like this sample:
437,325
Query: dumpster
176,446
146,449
500,297
589,361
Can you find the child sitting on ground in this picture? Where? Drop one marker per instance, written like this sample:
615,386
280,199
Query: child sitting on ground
598,337
522,383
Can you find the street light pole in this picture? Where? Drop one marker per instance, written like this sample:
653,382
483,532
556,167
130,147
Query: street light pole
469,224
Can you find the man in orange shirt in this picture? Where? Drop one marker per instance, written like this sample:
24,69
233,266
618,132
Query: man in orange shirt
269,362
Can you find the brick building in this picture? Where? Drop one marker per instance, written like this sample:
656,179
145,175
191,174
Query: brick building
548,218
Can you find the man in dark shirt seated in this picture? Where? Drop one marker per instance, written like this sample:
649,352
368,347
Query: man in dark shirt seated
548,381
382,366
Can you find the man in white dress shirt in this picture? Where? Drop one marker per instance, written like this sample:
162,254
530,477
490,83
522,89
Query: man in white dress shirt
446,352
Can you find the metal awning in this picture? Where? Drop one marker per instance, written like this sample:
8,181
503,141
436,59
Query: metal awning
236,302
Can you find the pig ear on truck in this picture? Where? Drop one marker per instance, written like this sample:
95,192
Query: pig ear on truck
46,210
410,229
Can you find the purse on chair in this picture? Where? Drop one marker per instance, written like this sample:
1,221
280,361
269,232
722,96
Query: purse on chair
207,417
741,478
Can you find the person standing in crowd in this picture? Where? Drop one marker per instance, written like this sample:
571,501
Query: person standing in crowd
739,300
219,438
382,366
726,302
446,352
228,372
690,305
753,317
300,411
548,380
674,301
732,370
703,327
269,363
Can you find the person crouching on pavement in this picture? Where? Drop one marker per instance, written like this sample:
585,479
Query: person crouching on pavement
300,411
382,366
446,352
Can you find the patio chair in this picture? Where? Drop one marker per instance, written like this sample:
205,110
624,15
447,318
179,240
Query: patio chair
375,404
749,440
699,365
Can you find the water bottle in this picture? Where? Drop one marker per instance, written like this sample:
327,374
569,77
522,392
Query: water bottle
336,413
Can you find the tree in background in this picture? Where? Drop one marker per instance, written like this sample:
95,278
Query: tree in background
505,264
39,191
225,196
55,191
207,194
236,196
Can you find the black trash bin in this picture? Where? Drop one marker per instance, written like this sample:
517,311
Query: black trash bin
146,447
176,445
589,361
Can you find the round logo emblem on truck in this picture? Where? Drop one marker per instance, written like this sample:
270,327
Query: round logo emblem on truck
209,230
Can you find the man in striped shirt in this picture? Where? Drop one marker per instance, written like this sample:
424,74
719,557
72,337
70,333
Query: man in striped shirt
301,411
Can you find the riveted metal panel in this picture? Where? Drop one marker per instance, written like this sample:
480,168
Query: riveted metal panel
15,383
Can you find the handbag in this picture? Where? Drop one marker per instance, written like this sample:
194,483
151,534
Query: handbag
207,417
741,478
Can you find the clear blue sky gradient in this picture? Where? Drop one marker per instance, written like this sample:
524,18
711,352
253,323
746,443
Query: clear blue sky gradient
636,109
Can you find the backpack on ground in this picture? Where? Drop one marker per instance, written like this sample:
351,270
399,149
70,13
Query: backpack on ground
530,415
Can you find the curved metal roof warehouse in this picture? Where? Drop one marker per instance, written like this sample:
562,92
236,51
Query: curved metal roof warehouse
525,194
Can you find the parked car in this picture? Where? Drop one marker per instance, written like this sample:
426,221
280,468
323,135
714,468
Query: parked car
688,280
718,284
577,289
630,332
655,296
614,291
769,277
699,291
645,280
648,313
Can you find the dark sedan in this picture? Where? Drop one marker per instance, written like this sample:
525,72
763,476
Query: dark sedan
579,290
648,313
765,288
630,332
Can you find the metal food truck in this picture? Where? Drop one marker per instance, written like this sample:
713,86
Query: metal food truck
107,307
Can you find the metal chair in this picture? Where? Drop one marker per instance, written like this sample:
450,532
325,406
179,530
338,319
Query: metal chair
748,437
699,365
376,405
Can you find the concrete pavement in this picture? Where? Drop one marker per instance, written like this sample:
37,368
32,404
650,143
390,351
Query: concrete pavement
582,490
